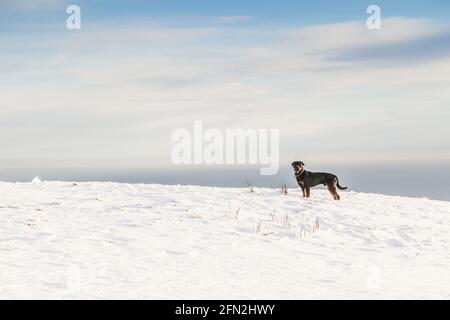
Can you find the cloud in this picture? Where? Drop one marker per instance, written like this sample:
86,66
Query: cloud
409,40
115,93
412,51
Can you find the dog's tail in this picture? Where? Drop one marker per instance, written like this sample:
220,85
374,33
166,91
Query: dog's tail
338,185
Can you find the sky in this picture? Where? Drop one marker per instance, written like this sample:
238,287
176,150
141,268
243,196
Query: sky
110,95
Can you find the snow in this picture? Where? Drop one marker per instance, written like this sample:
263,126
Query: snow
36,180
108,240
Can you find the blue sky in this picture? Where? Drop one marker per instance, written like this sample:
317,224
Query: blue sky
114,91
292,12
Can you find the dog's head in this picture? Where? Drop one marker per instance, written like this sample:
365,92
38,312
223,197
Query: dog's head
298,166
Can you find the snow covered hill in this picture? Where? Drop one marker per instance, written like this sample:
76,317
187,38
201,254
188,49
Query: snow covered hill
109,240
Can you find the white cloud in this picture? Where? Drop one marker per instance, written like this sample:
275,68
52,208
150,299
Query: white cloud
117,93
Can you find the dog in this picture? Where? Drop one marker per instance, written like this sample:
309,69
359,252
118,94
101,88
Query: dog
306,180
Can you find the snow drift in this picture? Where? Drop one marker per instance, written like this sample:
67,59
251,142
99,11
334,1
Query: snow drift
109,240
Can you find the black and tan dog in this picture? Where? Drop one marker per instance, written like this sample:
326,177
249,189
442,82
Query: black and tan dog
306,180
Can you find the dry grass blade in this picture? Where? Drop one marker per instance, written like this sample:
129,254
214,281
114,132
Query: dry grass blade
250,186
284,188
258,227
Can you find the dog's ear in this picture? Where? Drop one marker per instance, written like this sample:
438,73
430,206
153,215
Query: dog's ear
302,163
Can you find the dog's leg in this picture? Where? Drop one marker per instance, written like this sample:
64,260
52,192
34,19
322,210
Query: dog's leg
332,189
336,195
308,191
303,191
